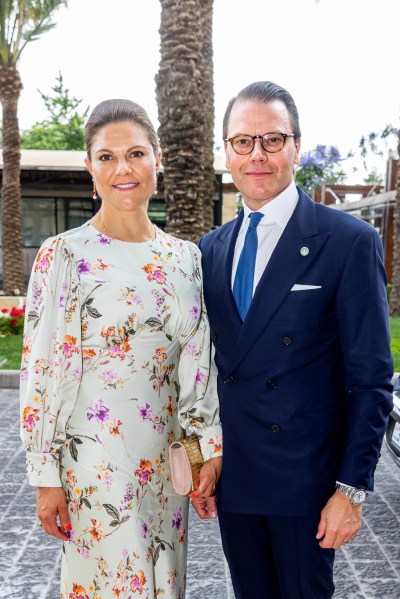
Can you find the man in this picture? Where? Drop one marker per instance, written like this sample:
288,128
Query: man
297,305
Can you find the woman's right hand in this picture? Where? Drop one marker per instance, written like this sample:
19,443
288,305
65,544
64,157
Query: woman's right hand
203,499
52,511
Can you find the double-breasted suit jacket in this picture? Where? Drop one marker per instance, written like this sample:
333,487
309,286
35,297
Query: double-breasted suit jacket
305,381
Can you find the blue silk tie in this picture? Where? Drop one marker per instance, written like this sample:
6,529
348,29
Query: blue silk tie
244,278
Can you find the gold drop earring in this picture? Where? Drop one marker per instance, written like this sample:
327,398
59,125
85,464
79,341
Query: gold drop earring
94,192
155,192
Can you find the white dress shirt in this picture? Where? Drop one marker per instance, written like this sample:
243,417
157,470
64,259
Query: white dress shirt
276,213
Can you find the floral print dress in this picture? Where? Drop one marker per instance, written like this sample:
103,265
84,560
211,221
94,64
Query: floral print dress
116,362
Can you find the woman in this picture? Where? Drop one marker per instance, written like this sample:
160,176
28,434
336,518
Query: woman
116,362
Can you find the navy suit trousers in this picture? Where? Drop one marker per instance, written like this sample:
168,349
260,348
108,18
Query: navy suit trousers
276,557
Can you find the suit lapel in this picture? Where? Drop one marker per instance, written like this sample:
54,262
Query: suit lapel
285,268
223,299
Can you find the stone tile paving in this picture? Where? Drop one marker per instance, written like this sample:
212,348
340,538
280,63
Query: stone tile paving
368,568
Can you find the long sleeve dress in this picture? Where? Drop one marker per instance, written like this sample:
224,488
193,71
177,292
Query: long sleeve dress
116,362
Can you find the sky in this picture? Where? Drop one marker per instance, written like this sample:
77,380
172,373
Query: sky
338,59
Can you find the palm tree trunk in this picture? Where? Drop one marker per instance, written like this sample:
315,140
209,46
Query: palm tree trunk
395,293
181,114
207,75
13,278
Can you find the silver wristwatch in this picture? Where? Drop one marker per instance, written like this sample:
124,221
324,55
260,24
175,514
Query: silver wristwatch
356,496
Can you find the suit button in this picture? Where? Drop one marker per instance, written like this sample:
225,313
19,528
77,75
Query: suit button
213,337
287,340
272,383
275,428
229,379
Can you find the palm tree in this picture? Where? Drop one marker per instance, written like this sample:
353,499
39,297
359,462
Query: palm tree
207,69
21,22
181,93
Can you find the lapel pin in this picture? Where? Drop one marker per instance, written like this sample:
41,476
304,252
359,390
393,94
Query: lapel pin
304,251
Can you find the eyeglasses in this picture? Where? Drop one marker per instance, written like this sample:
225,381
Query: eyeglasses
270,142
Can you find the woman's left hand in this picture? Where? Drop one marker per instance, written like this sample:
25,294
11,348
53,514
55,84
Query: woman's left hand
203,499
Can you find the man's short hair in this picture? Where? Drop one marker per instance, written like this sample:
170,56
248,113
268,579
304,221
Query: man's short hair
265,91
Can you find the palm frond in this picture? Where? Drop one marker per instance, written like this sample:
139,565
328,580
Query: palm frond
7,24
24,21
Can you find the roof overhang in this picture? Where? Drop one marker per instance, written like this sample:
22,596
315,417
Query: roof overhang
68,160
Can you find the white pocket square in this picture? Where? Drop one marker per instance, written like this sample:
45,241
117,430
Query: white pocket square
304,287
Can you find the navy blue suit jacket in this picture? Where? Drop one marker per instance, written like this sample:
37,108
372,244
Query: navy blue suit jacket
305,381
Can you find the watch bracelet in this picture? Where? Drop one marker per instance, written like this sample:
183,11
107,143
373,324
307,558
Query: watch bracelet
350,492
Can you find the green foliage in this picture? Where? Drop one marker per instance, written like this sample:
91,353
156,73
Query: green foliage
373,178
21,22
371,142
64,128
395,341
11,350
375,143
319,167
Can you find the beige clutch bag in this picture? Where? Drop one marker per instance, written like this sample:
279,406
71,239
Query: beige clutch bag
186,460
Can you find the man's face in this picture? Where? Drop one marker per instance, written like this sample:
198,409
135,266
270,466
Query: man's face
261,176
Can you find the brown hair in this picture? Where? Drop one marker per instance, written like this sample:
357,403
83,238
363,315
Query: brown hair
265,91
114,111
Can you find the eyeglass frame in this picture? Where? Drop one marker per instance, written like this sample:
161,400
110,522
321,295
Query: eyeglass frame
260,137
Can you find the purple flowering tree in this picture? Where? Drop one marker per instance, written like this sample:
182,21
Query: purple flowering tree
319,167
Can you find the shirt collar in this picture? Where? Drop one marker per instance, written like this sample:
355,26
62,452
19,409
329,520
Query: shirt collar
279,210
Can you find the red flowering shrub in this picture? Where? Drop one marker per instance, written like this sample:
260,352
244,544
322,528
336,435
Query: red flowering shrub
12,321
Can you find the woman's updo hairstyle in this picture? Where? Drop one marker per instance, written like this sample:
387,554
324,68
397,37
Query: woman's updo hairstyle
115,111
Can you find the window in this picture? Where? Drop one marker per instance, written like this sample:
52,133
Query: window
38,221
46,217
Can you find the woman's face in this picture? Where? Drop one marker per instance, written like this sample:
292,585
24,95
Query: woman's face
123,165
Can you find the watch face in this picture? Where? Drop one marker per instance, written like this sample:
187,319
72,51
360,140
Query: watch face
359,497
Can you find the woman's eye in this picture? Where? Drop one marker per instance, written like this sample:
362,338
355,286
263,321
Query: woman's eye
137,154
104,157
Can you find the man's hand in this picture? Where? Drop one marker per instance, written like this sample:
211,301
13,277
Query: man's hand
340,522
51,504
203,499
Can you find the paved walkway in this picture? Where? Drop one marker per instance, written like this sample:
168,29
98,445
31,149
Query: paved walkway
368,568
